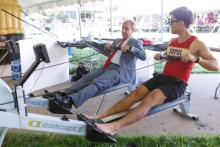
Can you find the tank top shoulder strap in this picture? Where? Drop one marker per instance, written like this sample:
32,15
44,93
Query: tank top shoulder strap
174,41
191,39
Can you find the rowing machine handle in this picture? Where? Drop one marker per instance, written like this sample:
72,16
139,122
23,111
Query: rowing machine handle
171,58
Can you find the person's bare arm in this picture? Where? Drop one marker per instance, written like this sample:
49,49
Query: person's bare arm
207,60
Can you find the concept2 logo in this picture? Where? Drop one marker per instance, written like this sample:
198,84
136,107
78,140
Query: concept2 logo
56,126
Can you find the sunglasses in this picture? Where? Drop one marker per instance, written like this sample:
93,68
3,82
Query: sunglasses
173,21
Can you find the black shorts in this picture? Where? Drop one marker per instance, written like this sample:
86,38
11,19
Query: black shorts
171,87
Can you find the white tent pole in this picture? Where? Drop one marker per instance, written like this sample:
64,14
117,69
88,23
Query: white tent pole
161,20
79,15
111,17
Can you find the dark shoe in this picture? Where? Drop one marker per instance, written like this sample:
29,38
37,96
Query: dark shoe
59,102
63,99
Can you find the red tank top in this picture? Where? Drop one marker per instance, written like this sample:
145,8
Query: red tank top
179,69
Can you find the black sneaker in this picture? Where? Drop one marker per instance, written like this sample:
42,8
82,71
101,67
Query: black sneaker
63,99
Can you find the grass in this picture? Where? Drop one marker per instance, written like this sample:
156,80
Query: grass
26,139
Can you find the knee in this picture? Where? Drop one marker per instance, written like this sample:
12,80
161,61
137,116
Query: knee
156,97
98,85
101,83
140,91
148,99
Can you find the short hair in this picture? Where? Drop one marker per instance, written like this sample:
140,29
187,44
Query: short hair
184,14
131,22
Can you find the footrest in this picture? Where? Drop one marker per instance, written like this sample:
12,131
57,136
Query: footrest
55,107
95,134
81,117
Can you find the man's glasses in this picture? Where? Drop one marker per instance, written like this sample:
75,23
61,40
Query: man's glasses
173,21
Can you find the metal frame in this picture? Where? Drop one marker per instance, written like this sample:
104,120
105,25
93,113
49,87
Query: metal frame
19,118
216,91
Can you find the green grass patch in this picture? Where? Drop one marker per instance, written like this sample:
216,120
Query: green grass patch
196,70
26,139
88,56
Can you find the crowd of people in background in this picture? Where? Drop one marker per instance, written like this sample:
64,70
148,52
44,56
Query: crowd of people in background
202,23
209,19
207,23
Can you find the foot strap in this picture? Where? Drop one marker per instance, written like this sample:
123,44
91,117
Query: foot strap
82,117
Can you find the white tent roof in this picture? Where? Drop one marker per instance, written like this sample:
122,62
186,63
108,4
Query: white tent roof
39,4
137,7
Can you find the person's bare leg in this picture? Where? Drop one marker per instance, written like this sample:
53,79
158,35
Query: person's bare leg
125,103
154,98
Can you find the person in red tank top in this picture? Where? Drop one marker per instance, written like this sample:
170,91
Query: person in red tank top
182,70
172,83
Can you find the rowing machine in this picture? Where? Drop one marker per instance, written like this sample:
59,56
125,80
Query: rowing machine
14,114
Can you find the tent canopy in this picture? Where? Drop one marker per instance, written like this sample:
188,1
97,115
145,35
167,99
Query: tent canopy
137,6
34,5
